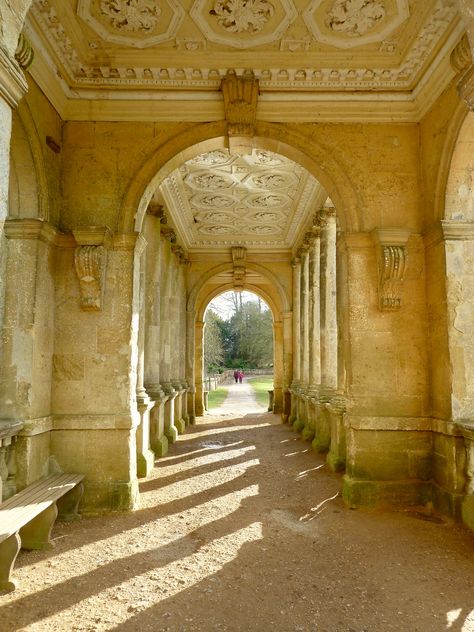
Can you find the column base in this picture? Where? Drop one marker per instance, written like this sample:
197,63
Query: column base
109,496
308,433
180,425
320,444
467,511
336,462
145,463
160,446
298,425
357,493
172,434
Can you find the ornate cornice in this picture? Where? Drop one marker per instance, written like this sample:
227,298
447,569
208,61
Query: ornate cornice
89,88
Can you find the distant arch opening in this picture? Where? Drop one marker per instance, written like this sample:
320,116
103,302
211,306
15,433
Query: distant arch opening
238,347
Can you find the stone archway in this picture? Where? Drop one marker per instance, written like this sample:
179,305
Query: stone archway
278,302
308,152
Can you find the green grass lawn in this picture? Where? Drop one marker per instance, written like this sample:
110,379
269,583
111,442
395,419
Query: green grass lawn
261,384
217,397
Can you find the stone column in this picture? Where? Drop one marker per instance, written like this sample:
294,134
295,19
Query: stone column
315,312
302,414
304,365
190,373
328,301
287,365
152,344
145,456
199,359
296,264
278,367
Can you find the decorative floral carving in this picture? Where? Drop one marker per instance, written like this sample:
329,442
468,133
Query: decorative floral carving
271,181
239,16
218,156
212,201
267,200
267,158
216,230
211,181
132,15
263,229
355,17
266,217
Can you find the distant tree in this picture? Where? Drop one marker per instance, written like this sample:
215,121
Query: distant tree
213,341
246,334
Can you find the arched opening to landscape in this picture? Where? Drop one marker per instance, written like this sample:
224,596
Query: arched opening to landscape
238,345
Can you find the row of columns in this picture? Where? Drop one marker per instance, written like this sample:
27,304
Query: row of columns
162,390
315,338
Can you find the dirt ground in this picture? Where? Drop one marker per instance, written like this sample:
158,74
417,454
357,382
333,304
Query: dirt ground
242,528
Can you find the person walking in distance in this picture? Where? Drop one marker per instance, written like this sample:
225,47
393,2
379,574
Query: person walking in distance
241,376
236,376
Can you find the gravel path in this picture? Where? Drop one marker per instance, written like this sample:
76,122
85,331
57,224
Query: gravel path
242,528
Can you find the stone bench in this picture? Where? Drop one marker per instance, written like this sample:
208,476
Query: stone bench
27,518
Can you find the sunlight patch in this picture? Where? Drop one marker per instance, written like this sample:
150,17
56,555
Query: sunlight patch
141,591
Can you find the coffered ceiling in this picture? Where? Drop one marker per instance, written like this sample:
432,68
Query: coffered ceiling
261,200
125,59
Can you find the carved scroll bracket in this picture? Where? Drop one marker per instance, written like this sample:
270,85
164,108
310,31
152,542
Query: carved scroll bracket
461,61
239,259
90,260
240,105
391,258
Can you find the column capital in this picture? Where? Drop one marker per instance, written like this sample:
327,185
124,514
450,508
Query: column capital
13,84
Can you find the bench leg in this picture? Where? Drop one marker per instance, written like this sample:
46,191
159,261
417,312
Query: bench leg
8,551
37,533
68,504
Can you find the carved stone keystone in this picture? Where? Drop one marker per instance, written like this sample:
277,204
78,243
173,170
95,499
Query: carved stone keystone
240,102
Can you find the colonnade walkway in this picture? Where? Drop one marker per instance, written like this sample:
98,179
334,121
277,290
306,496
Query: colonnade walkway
242,528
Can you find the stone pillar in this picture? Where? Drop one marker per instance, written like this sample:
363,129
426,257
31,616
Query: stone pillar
27,340
304,366
178,409
302,408
152,344
459,249
199,368
278,367
94,379
296,264
171,431
190,373
287,365
328,301
145,456
315,312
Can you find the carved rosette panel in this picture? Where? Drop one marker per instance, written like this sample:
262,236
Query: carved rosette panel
243,23
90,263
348,23
242,16
137,23
356,17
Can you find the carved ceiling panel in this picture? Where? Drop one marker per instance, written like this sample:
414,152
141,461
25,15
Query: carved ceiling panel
243,23
321,45
350,23
257,199
140,23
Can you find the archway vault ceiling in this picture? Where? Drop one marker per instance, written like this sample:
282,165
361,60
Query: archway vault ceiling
260,200
142,50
